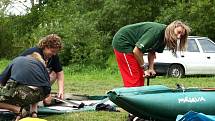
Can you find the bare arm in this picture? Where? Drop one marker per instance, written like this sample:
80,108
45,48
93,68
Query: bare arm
150,71
151,57
10,107
60,80
138,54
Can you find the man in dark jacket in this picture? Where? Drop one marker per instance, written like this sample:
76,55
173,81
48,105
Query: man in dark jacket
24,81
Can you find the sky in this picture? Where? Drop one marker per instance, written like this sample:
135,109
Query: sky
18,7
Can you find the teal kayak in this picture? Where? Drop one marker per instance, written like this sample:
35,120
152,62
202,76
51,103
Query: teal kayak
163,103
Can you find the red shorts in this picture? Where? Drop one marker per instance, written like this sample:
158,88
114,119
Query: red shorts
132,73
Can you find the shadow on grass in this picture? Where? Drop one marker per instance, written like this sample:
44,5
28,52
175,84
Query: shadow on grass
199,76
188,76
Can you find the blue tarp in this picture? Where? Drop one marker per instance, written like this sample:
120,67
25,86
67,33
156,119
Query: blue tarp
195,116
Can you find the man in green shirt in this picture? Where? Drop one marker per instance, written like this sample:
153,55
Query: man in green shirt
132,41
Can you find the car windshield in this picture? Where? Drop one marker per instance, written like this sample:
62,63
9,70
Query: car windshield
207,45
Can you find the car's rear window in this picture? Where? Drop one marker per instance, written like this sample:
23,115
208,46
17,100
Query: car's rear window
207,45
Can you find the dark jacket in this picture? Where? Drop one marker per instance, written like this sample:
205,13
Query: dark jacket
27,71
53,63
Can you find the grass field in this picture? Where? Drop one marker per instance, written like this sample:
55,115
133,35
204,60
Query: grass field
92,81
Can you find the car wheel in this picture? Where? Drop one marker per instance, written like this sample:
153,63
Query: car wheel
176,71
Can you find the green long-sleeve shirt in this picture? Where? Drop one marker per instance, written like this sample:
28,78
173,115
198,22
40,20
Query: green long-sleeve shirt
145,35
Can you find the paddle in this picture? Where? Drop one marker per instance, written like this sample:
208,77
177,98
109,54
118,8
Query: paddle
70,103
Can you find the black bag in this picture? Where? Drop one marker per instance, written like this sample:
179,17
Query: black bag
105,107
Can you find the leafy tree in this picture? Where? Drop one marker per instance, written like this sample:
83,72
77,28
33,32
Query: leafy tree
87,26
82,42
198,14
117,13
6,40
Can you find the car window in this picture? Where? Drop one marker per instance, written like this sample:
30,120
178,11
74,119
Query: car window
207,45
192,46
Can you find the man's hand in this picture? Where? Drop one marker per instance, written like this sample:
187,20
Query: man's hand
150,73
47,100
60,95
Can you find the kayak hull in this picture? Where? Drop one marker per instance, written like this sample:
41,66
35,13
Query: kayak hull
163,103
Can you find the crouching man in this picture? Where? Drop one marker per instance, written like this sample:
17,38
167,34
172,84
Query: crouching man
24,82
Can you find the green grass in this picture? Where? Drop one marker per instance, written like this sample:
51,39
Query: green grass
93,81
90,116
98,82
3,64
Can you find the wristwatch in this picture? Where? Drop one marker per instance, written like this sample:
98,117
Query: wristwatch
144,66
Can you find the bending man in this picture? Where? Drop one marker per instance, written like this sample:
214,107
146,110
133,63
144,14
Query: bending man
25,81
132,41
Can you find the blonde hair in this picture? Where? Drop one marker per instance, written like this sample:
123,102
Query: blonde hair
171,39
38,57
50,41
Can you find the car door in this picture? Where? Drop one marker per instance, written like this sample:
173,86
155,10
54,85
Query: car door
208,49
192,57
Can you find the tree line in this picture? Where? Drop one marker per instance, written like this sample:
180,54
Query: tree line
88,26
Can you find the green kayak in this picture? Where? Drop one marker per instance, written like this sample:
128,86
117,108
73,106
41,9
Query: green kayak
163,103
